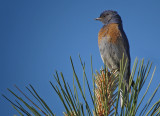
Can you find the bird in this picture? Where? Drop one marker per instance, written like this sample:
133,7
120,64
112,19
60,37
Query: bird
113,44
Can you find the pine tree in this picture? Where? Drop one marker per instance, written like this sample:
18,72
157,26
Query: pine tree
105,94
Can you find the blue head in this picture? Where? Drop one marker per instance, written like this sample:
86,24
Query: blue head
109,16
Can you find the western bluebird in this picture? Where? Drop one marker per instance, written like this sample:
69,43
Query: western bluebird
113,43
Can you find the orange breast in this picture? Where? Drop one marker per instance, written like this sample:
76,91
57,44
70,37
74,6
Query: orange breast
111,32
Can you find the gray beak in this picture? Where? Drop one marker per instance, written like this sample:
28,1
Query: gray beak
99,19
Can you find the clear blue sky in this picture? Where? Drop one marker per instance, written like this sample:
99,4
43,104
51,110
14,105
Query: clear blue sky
37,37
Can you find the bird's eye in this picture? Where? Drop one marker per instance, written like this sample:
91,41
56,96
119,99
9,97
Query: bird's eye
105,15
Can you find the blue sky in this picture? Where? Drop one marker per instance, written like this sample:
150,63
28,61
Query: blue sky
38,37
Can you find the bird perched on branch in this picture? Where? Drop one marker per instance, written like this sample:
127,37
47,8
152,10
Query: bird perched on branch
113,44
